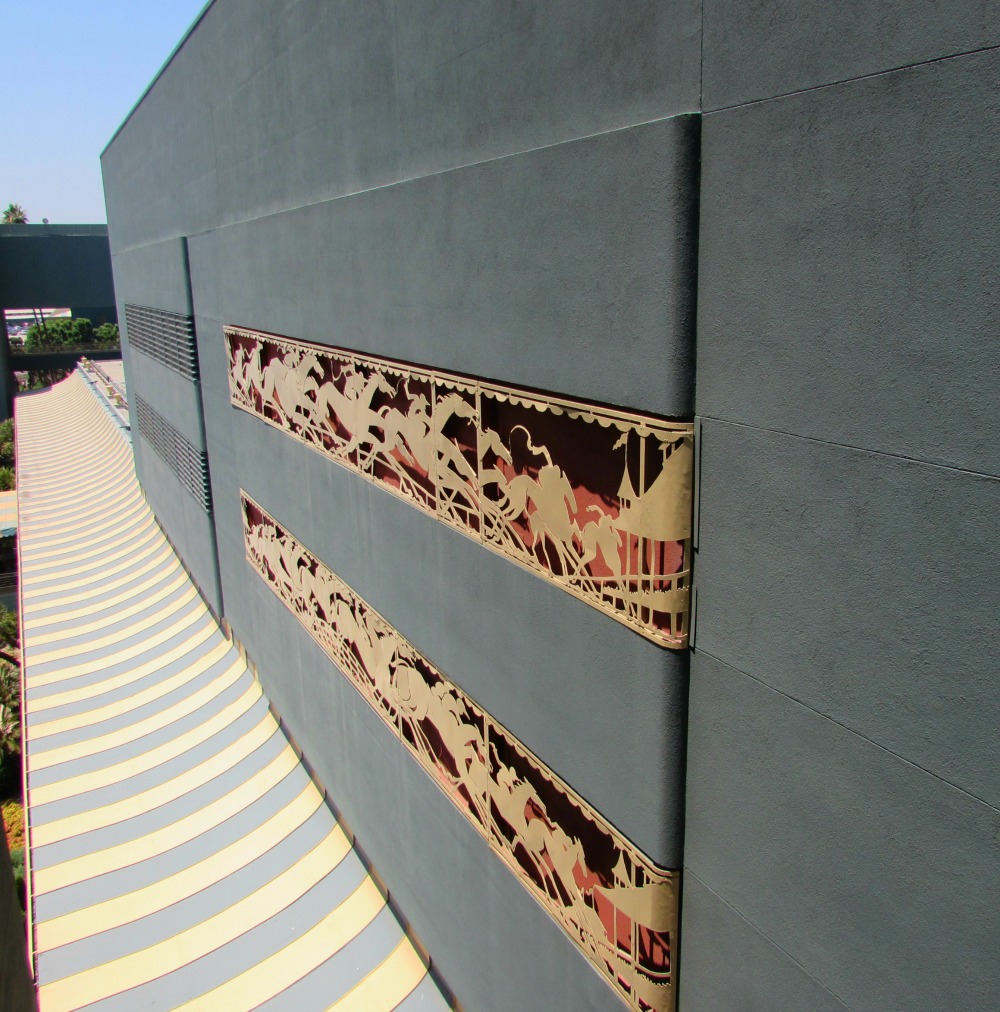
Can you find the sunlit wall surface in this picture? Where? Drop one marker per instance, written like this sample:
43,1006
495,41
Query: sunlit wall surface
775,226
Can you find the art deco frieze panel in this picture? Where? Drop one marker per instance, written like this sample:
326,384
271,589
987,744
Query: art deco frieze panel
596,500
613,902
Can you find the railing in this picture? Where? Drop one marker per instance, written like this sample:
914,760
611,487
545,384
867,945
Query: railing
112,387
107,390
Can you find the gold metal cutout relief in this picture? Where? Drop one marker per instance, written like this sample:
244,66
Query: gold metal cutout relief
613,902
593,499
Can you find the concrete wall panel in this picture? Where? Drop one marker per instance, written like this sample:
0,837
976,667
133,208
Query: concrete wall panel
863,868
847,264
276,105
172,395
566,269
55,266
841,795
765,48
728,964
861,584
156,275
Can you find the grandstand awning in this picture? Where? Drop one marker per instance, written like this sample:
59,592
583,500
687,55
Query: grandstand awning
180,855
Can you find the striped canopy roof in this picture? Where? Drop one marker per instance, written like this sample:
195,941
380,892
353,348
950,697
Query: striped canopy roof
180,856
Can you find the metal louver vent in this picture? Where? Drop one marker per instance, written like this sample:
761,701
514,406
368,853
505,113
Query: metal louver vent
167,337
186,461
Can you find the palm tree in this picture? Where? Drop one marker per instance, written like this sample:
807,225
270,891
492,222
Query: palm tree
15,215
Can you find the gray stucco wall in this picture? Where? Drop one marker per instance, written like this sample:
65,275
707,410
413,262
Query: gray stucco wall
519,191
842,770
500,193
272,105
156,276
600,705
768,48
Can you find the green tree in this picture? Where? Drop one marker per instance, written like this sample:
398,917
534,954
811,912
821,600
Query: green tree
42,335
60,332
10,710
10,641
7,443
107,333
38,379
15,215
83,330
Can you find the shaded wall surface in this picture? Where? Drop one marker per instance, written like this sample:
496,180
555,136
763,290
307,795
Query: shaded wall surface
57,265
540,195
157,277
52,266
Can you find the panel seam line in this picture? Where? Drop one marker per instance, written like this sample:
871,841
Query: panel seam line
851,730
853,446
363,190
850,80
688,871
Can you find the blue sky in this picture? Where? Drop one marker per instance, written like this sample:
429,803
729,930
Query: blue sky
70,71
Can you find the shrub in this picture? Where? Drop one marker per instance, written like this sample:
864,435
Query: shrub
6,479
10,710
83,331
59,332
38,379
38,338
10,638
107,333
13,820
7,443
